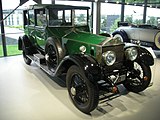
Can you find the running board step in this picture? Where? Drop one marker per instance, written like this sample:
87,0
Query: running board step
40,61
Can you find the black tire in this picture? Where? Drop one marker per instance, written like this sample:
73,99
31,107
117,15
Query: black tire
122,35
83,93
26,59
26,44
51,51
139,79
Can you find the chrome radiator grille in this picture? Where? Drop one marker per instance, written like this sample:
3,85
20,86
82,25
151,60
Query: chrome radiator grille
119,50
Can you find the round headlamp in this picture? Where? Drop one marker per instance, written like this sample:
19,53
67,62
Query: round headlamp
109,57
131,53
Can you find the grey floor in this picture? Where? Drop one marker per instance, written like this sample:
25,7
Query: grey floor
27,93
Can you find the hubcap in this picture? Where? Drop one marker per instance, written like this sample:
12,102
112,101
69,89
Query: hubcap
73,91
51,56
47,57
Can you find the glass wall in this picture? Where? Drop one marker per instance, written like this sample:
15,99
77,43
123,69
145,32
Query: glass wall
109,17
153,16
1,50
13,25
133,14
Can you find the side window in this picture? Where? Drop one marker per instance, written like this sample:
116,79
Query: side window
68,16
55,17
31,17
41,18
59,17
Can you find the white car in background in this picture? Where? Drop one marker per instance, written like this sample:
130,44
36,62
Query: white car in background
146,35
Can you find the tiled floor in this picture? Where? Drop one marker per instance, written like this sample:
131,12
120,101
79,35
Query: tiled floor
27,93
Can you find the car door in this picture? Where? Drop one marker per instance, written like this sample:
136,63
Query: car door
40,27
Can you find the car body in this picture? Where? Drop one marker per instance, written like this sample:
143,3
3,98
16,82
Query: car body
147,35
60,43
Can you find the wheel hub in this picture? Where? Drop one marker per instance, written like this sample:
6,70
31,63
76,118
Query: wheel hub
47,57
73,91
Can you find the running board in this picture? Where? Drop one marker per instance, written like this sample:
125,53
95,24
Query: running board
40,61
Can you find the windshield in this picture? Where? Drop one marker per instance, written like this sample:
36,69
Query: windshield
80,18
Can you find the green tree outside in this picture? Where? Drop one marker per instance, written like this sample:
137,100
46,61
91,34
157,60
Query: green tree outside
152,21
129,19
114,26
81,18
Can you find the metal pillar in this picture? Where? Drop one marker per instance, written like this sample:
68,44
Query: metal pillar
98,17
91,19
122,10
53,2
145,11
2,31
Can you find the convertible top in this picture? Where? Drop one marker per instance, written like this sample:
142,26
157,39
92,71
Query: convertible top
65,7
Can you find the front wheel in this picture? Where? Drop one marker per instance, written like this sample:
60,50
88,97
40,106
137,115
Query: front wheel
83,93
120,37
139,78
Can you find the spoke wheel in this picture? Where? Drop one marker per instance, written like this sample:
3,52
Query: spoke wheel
139,78
51,55
82,92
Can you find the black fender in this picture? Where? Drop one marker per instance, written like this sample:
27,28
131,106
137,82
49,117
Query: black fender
143,55
25,44
85,62
123,34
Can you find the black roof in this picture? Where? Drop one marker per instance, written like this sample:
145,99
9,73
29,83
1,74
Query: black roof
65,7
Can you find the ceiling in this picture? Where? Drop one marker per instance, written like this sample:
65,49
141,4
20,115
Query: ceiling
150,3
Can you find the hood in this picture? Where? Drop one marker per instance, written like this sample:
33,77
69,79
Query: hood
85,37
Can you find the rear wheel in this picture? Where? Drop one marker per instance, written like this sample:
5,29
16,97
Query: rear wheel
139,78
51,55
26,47
26,59
83,93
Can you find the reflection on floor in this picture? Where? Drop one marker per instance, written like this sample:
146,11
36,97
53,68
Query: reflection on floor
27,93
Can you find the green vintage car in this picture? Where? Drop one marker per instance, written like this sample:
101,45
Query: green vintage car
58,39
